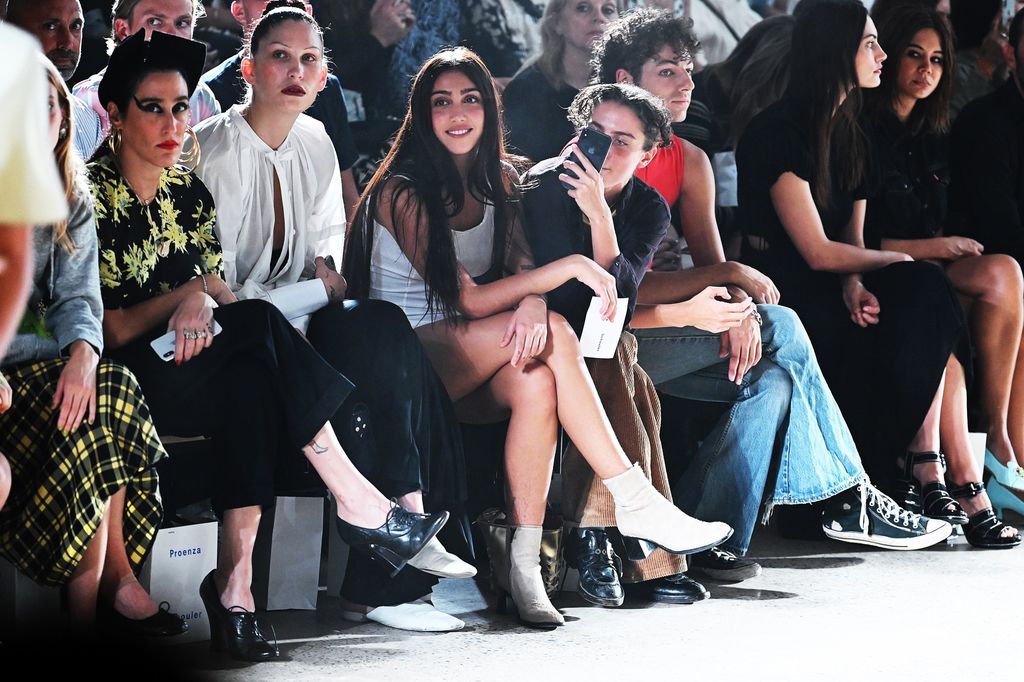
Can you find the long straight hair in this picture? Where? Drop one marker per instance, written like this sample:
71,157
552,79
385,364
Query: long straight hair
68,166
826,38
896,29
756,74
419,167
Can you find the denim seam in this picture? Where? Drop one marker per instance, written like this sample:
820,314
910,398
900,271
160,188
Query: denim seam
831,492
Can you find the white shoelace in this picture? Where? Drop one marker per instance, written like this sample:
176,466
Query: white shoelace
887,506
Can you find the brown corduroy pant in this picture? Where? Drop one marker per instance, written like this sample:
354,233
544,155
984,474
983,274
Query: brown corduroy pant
633,408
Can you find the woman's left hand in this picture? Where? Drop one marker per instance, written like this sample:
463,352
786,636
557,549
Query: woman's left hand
76,388
528,327
742,345
588,187
863,305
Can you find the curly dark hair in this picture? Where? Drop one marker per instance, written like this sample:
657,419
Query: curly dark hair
654,117
633,38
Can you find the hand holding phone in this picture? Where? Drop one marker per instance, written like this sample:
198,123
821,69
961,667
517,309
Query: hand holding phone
163,345
595,145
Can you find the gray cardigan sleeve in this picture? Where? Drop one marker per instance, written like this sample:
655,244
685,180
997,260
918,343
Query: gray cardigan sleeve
76,310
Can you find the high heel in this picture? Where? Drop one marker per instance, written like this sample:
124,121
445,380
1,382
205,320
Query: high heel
935,500
647,520
984,529
1004,499
237,632
1010,475
401,537
516,575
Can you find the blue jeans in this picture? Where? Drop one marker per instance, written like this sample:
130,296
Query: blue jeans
783,404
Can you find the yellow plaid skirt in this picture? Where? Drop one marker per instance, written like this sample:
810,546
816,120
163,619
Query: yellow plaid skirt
61,484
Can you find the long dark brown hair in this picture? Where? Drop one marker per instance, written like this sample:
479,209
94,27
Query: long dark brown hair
826,38
896,30
756,73
419,168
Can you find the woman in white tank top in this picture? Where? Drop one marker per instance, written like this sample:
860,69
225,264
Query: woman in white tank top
484,321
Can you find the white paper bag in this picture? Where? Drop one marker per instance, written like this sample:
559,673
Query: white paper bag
180,559
286,559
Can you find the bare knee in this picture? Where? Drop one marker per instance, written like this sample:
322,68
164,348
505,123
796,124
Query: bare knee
561,333
1003,281
533,388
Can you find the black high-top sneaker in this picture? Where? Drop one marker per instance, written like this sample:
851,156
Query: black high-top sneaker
867,516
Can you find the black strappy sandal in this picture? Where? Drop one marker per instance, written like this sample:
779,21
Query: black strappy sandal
930,499
984,529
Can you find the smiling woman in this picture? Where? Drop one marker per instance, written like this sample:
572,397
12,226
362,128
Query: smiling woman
438,233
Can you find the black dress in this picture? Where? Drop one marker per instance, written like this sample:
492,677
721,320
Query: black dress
907,194
884,377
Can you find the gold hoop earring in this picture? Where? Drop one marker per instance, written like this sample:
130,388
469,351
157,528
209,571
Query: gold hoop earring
194,153
114,141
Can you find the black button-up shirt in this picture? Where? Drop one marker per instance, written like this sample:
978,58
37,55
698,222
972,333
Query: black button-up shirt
555,229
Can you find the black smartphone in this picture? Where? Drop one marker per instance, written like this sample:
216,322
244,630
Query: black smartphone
595,145
329,262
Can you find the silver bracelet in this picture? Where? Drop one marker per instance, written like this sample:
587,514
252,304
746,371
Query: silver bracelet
206,289
757,316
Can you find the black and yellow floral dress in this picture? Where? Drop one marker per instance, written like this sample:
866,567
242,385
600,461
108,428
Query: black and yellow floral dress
151,249
259,391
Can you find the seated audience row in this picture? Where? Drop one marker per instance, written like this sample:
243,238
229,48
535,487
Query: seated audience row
472,275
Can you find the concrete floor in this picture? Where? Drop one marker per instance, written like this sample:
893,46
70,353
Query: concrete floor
820,611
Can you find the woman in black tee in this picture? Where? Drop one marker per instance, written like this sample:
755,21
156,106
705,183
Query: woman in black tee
801,166
907,119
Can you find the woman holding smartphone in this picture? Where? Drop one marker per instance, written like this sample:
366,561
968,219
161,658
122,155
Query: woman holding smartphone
257,389
437,233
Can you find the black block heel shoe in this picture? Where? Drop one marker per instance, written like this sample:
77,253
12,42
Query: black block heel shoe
402,536
932,499
984,530
238,631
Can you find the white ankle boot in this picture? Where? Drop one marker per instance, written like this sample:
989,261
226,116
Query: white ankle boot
522,580
436,560
647,520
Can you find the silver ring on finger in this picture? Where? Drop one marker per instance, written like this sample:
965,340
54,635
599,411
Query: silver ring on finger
190,334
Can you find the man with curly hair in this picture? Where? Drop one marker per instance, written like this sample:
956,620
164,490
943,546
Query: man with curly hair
781,416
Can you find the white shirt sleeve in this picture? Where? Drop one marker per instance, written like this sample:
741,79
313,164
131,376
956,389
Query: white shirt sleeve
32,191
327,221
